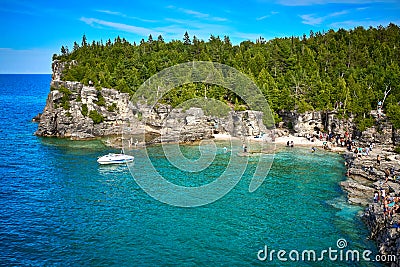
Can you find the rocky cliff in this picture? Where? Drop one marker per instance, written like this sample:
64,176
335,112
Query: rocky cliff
312,122
76,111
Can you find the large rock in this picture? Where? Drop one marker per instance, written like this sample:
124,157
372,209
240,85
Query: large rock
396,137
61,120
381,133
357,193
311,123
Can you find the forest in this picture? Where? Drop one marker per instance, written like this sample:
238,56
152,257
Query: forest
349,71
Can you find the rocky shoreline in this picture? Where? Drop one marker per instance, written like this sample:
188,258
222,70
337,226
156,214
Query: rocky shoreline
365,183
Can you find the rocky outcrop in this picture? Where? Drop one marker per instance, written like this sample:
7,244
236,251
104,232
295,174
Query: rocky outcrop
365,177
396,137
312,122
386,234
381,133
58,67
357,193
72,108
76,111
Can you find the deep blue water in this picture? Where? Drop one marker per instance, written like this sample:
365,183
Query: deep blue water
58,207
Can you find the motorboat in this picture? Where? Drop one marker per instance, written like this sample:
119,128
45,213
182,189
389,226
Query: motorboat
113,158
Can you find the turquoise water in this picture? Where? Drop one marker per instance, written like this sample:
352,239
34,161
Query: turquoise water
58,207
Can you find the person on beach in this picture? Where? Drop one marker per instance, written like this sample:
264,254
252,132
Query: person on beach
378,160
376,197
367,151
288,143
393,173
383,194
387,172
348,143
359,152
244,148
291,143
371,170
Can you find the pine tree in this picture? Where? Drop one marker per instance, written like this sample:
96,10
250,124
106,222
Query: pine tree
186,39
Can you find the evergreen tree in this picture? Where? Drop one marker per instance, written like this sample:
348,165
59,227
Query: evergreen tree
186,39
84,41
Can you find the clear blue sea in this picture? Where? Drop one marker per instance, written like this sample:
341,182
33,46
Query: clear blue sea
59,207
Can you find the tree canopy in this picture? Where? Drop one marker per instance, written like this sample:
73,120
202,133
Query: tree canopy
346,70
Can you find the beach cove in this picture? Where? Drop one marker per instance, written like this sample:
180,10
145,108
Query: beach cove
60,207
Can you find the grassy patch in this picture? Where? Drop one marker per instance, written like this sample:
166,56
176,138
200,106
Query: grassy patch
84,110
96,117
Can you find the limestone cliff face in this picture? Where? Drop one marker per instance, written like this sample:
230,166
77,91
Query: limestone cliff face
314,121
76,111
69,105
303,124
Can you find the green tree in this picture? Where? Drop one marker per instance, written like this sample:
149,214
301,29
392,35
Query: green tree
186,39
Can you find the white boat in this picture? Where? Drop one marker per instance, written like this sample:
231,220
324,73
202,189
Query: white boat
113,158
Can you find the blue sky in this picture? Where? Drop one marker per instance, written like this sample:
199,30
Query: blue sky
32,31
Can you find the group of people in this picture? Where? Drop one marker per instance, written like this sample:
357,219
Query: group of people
335,138
391,204
362,151
342,140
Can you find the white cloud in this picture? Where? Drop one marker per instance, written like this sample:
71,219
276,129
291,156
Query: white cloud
193,27
219,19
365,23
245,36
194,13
311,19
119,26
324,2
174,30
119,14
263,17
197,14
194,24
111,12
335,14
362,8
267,16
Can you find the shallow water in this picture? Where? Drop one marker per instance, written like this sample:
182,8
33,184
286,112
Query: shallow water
59,207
